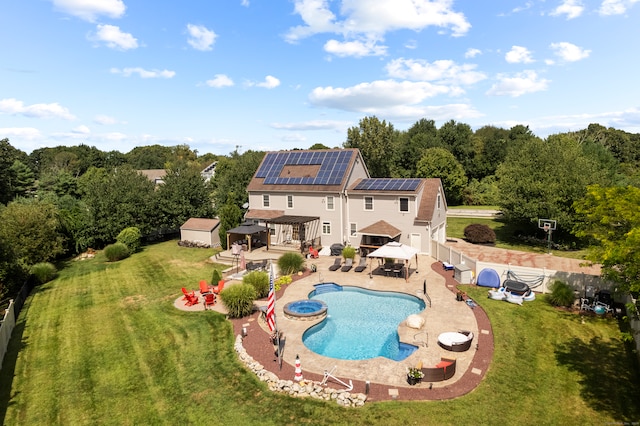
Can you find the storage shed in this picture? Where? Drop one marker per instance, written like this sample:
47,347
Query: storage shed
201,230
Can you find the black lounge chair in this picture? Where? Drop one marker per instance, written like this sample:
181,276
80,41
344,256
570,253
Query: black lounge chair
336,264
362,265
347,265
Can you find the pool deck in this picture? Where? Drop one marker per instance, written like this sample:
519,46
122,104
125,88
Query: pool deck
386,378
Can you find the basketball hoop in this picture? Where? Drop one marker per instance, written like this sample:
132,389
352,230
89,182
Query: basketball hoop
546,227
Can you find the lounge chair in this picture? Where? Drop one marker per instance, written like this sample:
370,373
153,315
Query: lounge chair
337,263
362,265
444,370
217,289
186,293
347,265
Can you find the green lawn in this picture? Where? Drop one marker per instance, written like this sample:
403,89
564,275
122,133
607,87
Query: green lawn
103,344
504,236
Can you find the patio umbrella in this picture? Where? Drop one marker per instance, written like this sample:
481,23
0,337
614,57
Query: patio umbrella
243,262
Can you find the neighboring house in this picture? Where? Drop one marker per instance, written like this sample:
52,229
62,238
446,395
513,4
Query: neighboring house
323,197
155,175
209,172
201,231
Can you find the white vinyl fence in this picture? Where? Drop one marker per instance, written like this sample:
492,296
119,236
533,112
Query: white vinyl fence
6,327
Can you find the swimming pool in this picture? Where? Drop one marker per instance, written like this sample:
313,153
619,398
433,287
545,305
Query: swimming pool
361,324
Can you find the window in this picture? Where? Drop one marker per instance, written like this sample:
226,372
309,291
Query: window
272,230
368,203
265,200
289,201
330,202
404,204
326,228
439,202
353,229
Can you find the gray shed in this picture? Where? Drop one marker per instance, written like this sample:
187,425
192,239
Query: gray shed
201,230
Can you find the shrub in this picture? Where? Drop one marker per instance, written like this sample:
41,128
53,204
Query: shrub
116,251
290,263
238,299
477,233
282,280
44,272
348,252
216,277
130,237
258,280
561,294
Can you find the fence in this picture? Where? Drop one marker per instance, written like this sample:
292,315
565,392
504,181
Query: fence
11,314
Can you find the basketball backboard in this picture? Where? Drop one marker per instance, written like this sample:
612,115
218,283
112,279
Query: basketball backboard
547,224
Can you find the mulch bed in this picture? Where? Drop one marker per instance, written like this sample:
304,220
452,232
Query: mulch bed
258,345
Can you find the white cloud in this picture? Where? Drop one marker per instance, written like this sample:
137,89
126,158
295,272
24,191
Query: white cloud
82,129
569,52
270,82
445,71
15,107
374,19
114,38
244,3
201,38
313,125
571,8
518,54
357,49
370,97
89,10
472,53
219,80
128,72
27,133
518,85
615,7
104,120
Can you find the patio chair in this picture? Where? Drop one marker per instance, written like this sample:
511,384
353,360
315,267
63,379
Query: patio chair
209,300
362,265
397,270
186,294
204,288
217,289
347,265
192,299
336,264
313,253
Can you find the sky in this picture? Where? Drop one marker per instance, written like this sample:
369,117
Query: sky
225,75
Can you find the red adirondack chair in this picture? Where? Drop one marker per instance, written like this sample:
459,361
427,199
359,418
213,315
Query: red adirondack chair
186,293
192,299
204,288
209,300
217,289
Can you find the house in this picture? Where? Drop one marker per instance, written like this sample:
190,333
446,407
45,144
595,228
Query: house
325,197
201,231
154,175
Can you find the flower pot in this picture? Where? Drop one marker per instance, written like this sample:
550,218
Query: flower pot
413,380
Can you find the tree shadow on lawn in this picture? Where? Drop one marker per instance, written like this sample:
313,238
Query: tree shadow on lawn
610,375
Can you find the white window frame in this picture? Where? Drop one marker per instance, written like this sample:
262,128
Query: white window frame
330,205
289,201
353,229
326,228
365,202
266,200
400,205
439,202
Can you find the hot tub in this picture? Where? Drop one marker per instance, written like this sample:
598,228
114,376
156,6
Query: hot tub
308,310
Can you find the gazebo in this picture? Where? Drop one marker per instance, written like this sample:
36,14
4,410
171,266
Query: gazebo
396,250
300,228
251,235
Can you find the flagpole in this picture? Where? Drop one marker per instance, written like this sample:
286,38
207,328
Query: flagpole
271,313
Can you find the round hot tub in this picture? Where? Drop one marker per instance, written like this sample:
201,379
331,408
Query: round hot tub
308,310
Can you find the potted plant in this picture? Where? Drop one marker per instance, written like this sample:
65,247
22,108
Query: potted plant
414,375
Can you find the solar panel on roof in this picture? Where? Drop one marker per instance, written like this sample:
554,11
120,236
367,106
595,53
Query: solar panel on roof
333,165
388,184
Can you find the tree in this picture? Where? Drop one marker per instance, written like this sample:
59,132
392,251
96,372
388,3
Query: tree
422,135
232,177
458,139
541,180
23,179
230,217
32,228
610,217
318,146
8,155
377,142
440,163
490,144
149,157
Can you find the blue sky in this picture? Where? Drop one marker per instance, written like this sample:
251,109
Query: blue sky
283,74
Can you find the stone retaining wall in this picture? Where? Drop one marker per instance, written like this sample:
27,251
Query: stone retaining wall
304,389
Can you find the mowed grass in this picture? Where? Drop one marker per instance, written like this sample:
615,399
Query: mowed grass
103,344
505,236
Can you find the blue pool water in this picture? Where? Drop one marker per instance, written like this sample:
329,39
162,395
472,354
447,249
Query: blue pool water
361,324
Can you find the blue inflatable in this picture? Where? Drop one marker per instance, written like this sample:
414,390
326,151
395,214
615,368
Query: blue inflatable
488,278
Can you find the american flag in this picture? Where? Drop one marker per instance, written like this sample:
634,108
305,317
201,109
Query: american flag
271,307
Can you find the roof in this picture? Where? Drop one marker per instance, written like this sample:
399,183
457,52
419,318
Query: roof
263,214
381,229
247,229
394,250
321,170
154,174
429,199
293,220
200,224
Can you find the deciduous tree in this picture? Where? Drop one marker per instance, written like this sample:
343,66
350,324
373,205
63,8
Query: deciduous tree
440,163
